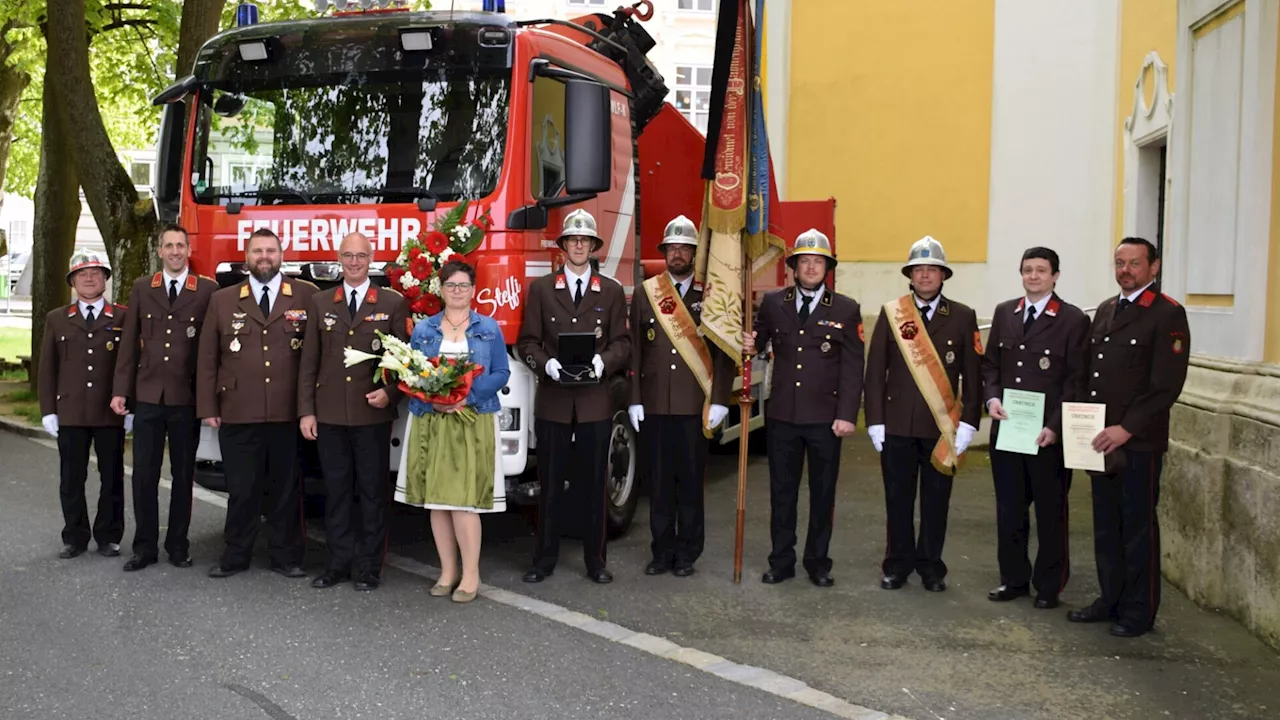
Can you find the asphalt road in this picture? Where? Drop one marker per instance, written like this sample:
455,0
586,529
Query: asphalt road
171,643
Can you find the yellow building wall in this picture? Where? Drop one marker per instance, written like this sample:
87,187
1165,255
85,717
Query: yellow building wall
1271,346
890,113
1145,25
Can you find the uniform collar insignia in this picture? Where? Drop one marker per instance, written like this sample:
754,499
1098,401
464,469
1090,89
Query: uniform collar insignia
697,286
1148,297
337,294
944,308
561,283
1052,308
791,294
72,309
244,290
108,310
595,283
192,280
1021,304
286,289
156,280
371,295
826,298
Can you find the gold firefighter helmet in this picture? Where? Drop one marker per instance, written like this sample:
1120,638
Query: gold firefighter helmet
812,242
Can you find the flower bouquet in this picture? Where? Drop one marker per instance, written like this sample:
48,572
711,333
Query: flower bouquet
416,272
436,380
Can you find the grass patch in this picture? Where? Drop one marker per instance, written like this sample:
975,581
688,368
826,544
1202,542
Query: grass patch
20,396
13,376
14,342
27,411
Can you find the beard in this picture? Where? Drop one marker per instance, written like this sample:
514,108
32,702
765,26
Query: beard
263,272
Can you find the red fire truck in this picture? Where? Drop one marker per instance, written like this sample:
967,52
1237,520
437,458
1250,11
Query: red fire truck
378,121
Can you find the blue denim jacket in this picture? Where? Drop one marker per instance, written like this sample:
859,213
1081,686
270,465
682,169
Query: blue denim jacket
486,348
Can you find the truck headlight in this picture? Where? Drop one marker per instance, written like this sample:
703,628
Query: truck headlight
509,419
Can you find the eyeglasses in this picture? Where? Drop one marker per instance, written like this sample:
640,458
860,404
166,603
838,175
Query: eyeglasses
578,240
457,286
348,257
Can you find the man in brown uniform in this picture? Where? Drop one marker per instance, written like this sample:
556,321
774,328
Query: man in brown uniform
1137,362
349,415
572,421
1036,345
77,358
907,428
156,372
247,388
813,402
668,397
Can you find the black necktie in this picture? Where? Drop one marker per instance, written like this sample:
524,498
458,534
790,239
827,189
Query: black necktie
577,296
924,314
804,307
1031,318
88,315
1124,303
265,303
351,306
173,291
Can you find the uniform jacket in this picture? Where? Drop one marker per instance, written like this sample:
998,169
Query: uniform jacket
1137,363
1049,359
77,362
335,394
548,312
892,397
817,366
485,347
661,380
248,367
156,362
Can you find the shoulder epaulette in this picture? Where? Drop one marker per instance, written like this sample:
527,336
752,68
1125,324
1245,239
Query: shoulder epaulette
1173,302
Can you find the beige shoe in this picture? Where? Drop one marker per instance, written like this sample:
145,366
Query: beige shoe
439,590
462,596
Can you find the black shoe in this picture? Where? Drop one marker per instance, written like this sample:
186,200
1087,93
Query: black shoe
684,570
181,562
892,582
109,550
329,578
292,571
70,551
935,585
773,576
1121,630
222,571
536,575
822,579
367,583
137,562
1090,614
600,577
1005,593
1046,602
657,567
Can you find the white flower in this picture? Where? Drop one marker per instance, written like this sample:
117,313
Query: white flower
444,256
461,231
408,280
433,286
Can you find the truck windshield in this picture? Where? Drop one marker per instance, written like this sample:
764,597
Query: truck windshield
358,137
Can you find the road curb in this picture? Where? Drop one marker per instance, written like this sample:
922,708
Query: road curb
20,428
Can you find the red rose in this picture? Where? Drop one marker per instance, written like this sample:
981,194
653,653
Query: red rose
436,242
430,303
420,267
414,292
419,306
414,252
394,273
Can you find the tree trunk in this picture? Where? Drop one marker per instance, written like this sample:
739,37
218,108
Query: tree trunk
200,19
57,214
126,222
13,82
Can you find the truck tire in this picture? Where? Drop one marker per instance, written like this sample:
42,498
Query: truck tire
622,485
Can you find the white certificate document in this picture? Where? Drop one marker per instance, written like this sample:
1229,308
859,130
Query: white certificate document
1081,423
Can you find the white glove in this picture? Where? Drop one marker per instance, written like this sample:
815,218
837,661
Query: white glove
128,423
598,363
876,433
964,436
637,416
553,369
50,423
716,415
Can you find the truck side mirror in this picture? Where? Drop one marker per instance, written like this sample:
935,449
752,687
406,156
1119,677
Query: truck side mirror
588,151
169,155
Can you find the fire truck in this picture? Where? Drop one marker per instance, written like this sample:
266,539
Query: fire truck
378,121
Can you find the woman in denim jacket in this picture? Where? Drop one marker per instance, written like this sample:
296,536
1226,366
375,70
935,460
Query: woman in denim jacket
453,465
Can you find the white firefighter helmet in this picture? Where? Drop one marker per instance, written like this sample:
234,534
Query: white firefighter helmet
680,231
812,242
579,223
83,259
927,251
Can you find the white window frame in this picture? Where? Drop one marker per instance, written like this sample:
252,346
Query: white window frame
708,10
694,88
587,3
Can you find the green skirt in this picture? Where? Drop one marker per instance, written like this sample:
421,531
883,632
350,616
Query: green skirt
452,464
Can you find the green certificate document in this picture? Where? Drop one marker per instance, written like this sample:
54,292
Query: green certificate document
1026,419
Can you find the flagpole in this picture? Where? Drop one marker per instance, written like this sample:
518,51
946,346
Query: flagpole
745,401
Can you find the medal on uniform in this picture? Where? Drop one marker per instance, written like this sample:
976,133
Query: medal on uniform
235,344
825,346
599,332
295,343
951,357
110,346
236,325
1044,363
376,345
191,331
651,335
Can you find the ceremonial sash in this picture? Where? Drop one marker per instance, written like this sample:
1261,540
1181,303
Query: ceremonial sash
682,331
930,378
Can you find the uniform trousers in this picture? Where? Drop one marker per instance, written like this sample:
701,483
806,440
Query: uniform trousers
676,452
73,452
261,464
579,453
1126,539
151,425
356,462
1020,481
904,462
788,445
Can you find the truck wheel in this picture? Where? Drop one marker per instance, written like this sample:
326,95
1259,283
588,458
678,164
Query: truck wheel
622,488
